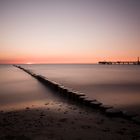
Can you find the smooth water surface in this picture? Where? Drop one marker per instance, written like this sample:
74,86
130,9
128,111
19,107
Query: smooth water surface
19,90
117,85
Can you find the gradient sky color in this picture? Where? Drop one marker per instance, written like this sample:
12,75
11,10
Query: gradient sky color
69,31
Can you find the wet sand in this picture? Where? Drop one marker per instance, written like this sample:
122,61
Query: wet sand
62,121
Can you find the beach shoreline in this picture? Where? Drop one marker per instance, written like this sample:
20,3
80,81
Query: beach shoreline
64,122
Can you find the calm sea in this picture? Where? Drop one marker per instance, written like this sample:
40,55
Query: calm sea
117,85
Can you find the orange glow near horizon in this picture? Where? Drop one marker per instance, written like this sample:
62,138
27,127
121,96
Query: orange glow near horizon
63,60
68,31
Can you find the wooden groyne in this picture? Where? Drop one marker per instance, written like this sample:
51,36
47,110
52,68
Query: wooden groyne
82,98
120,62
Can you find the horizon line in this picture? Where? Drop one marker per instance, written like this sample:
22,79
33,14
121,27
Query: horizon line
42,63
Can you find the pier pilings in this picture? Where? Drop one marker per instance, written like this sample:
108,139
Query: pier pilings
82,98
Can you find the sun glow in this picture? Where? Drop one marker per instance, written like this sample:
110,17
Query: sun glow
68,31
28,63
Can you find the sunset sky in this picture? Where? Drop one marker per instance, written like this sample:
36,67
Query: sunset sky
69,31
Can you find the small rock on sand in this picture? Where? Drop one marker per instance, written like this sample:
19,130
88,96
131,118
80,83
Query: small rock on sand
63,120
27,108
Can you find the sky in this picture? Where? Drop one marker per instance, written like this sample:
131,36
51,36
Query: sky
69,31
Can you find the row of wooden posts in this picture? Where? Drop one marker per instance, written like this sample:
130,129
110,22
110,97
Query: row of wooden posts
82,98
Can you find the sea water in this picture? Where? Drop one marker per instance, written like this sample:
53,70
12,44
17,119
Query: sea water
19,90
116,85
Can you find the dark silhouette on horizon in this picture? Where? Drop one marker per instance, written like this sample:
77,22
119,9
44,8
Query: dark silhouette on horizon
120,62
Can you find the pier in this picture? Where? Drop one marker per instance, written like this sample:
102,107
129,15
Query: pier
120,62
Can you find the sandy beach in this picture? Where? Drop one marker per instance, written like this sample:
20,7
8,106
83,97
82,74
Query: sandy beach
64,121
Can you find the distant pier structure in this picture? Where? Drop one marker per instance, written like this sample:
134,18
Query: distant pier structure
120,62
